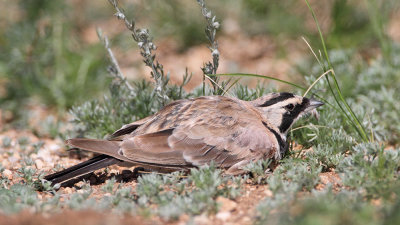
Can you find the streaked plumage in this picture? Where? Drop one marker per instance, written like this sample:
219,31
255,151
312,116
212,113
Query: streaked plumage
194,132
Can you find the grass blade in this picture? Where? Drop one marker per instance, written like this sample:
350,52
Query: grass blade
261,76
354,120
279,80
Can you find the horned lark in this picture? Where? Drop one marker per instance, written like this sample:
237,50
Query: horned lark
193,132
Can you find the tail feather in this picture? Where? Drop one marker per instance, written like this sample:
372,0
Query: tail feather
95,145
109,155
81,169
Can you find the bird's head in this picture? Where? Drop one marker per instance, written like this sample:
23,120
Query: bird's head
283,109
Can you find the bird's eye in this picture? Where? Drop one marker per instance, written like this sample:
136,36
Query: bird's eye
289,107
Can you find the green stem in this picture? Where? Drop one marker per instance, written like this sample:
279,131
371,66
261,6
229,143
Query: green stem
260,76
275,79
359,128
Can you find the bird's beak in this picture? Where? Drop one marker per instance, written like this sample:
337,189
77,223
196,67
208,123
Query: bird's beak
311,109
314,104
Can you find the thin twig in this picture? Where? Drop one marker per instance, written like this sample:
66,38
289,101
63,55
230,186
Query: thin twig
215,83
307,126
210,68
114,63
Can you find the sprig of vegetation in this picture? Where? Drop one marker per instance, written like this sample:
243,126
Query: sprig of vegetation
210,68
146,45
258,171
114,68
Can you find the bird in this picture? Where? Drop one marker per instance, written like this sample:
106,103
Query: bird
193,132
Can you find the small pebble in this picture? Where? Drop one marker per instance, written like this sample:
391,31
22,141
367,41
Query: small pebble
13,159
68,190
54,147
268,193
201,219
226,204
81,191
224,216
8,173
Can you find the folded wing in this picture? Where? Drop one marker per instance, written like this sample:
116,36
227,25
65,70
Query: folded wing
196,145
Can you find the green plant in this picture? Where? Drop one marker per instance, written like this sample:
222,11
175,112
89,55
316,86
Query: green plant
79,201
371,170
172,194
43,61
346,110
258,171
6,142
321,208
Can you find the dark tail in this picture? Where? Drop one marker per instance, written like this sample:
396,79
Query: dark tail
81,169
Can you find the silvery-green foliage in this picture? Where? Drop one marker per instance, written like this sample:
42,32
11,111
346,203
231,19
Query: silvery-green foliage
259,171
370,169
173,193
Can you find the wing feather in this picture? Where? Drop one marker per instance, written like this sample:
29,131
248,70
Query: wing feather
179,146
129,128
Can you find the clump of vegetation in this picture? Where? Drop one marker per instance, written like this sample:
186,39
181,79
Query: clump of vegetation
39,59
258,171
323,207
172,194
371,170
